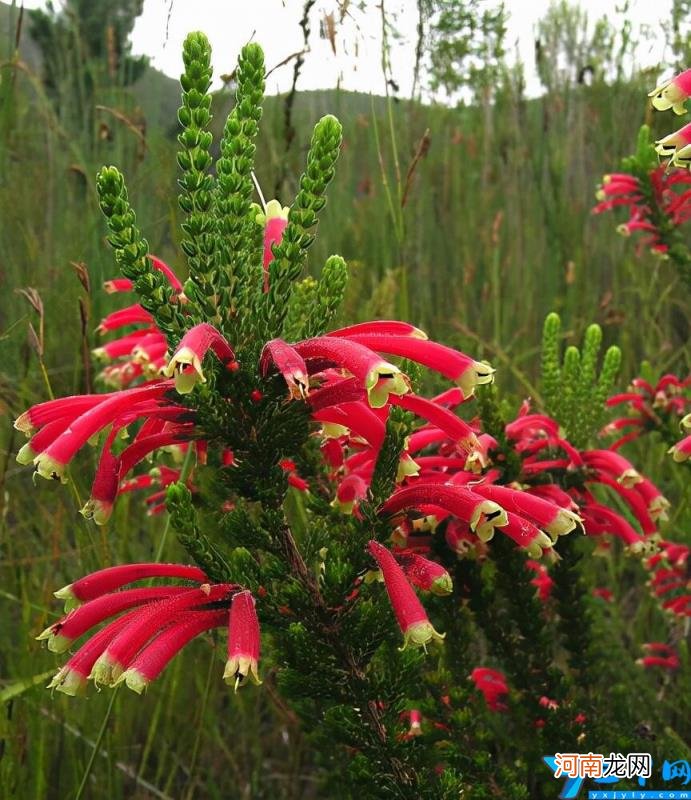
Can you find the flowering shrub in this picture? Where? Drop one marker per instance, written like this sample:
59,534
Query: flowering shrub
302,465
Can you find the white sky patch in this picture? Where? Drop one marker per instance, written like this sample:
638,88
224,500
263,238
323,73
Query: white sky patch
356,64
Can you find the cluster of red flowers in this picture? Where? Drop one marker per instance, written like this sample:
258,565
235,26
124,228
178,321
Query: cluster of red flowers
659,654
651,408
623,189
670,580
154,623
446,473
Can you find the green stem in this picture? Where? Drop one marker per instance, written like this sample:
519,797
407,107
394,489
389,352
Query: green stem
97,745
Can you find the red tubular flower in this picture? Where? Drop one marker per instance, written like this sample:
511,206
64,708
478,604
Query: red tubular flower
481,514
425,574
455,428
52,461
659,655
111,578
377,377
492,684
356,417
289,363
553,519
526,535
600,519
39,441
604,594
104,489
672,93
243,642
117,285
676,146
153,659
681,451
349,492
415,728
132,315
72,678
69,408
452,364
61,634
410,614
150,620
274,219
186,362
542,581
379,327
613,464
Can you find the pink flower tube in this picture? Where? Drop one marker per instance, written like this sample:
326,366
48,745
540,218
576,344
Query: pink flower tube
410,614
243,642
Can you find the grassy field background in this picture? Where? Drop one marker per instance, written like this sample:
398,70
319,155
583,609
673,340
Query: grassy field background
496,232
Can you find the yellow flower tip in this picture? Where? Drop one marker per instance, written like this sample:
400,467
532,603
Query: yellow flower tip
426,524
343,506
623,230
373,576
629,478
479,373
23,424
239,670
274,210
658,509
66,594
537,549
56,643
26,455
69,682
49,468
442,586
600,195
418,333
133,679
565,522
407,468
105,672
383,380
332,430
97,510
487,516
100,354
420,634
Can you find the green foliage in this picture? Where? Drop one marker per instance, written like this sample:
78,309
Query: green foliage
465,44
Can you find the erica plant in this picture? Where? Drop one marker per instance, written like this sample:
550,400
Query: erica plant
403,555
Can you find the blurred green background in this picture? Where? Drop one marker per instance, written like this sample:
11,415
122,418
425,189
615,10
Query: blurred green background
472,219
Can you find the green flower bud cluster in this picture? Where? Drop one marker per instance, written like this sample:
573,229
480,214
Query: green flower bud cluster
573,392
291,254
131,253
236,224
196,183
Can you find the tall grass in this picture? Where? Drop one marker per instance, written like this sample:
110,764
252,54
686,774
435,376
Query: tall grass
496,232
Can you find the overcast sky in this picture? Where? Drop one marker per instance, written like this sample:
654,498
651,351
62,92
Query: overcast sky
160,30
